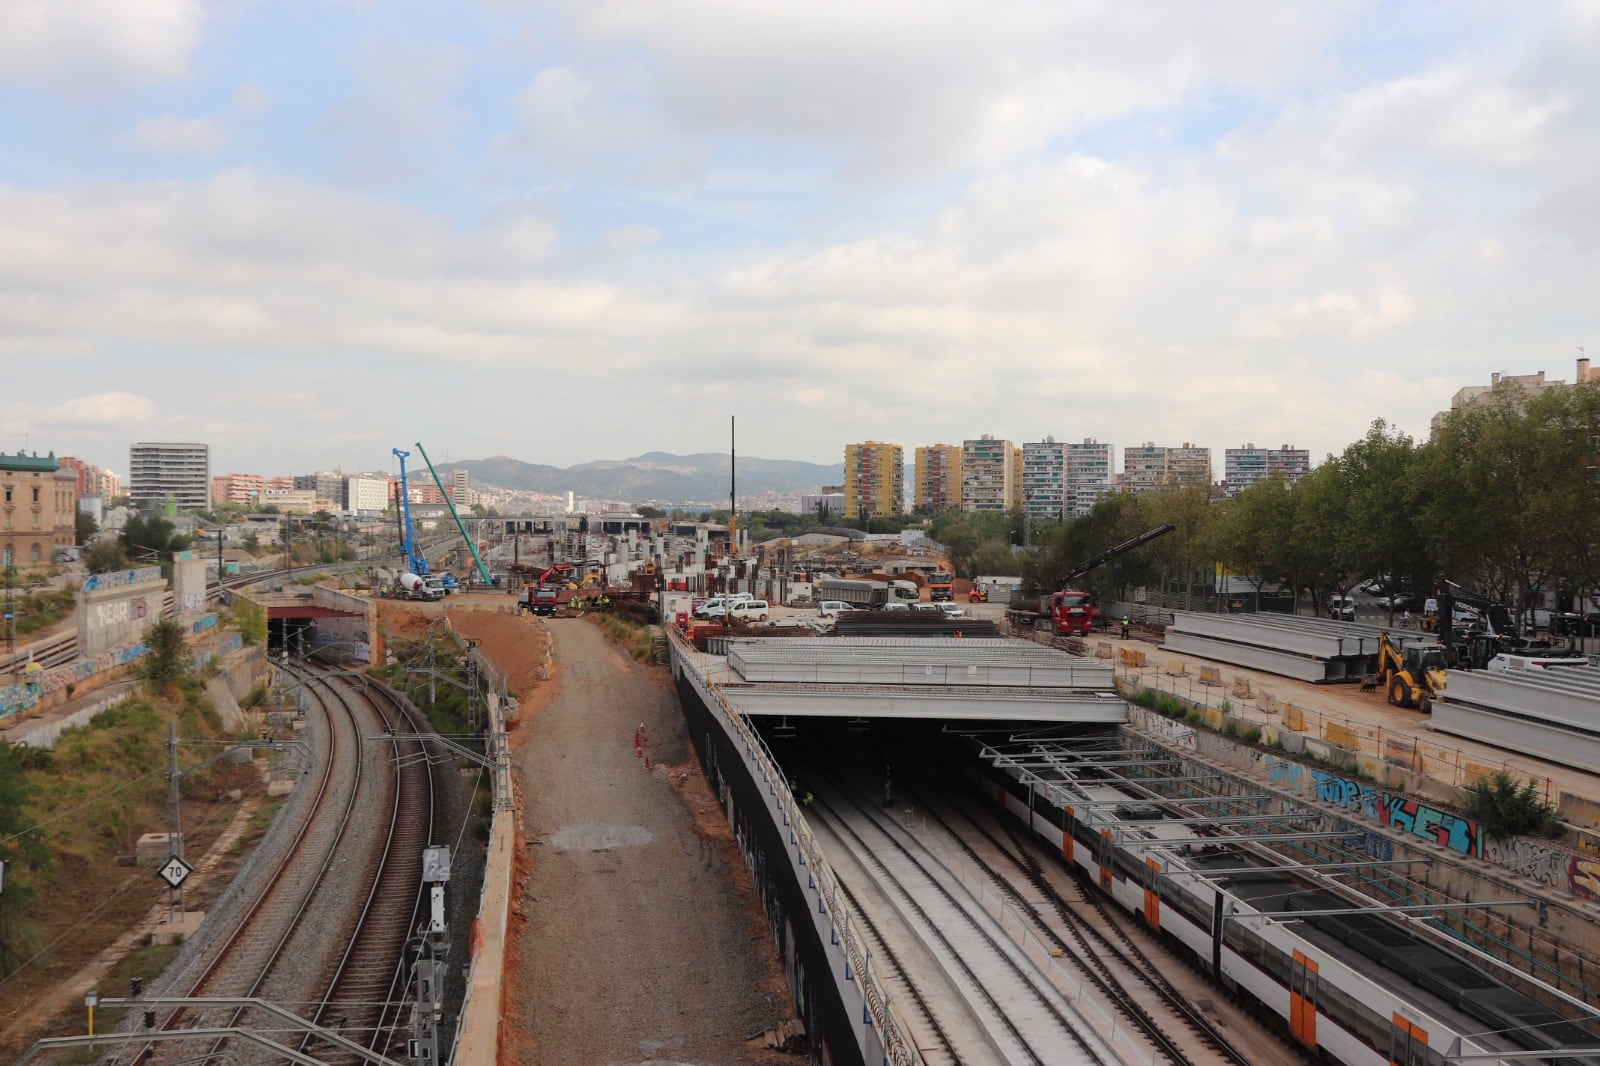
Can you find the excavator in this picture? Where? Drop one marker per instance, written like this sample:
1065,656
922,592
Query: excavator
1413,676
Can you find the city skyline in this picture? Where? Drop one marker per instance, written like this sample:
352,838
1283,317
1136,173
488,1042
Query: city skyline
570,231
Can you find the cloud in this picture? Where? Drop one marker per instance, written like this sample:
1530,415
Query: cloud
171,135
99,410
94,48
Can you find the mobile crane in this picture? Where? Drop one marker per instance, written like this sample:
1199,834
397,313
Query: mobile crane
1068,610
413,582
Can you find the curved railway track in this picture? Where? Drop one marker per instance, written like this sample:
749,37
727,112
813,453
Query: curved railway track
324,934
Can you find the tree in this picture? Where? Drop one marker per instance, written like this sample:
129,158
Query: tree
106,556
147,536
646,511
167,660
84,527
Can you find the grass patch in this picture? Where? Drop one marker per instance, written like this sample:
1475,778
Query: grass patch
636,638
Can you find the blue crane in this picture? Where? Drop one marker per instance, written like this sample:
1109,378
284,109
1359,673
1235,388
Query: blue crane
415,561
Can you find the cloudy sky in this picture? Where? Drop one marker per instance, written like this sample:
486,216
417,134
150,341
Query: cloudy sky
309,231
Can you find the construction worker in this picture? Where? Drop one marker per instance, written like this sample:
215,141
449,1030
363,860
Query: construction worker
1126,622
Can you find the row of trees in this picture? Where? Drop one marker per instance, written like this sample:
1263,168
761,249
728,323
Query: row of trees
1504,502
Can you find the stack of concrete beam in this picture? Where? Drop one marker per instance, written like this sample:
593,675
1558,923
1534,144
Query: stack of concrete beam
1552,714
976,662
1308,649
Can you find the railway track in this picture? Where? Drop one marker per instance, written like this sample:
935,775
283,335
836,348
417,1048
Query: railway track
324,934
1119,965
981,961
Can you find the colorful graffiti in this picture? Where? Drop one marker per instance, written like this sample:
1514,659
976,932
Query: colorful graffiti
135,576
1343,792
1431,824
1583,878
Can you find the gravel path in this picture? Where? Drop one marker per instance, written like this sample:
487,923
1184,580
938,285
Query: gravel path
639,941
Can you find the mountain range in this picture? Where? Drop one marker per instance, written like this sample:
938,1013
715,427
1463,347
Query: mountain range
654,477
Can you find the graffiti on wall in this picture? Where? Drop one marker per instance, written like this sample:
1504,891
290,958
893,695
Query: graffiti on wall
1176,733
1537,860
1431,824
1352,795
122,578
1583,877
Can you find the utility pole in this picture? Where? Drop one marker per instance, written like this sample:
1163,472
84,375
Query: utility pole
733,487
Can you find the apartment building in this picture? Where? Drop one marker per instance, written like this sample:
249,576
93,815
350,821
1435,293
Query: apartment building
461,491
874,479
367,494
1089,476
1245,466
38,508
1189,465
1144,468
938,477
829,499
1152,468
990,475
177,471
1525,385
324,485
1044,479
241,489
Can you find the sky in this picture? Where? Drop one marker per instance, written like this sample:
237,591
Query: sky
310,231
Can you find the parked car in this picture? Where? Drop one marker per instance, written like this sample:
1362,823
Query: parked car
723,606
951,610
1399,601
1342,607
927,606
749,610
830,608
896,607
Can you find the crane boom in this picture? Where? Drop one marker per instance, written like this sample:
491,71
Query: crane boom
483,571
415,560
1111,553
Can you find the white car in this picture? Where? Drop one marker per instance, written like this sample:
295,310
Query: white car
830,608
952,610
721,607
929,607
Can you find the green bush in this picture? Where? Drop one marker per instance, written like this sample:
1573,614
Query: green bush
1504,809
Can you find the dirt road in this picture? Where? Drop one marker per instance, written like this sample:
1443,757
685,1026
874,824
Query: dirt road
639,940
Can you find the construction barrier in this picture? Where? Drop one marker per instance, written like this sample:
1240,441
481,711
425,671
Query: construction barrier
1342,735
1241,688
1210,675
1131,658
1176,668
1102,650
1294,718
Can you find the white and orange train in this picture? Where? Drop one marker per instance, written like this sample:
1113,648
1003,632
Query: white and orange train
1357,987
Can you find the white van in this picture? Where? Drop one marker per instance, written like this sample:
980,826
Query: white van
748,610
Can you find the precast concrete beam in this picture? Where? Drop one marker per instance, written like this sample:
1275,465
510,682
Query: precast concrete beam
1300,667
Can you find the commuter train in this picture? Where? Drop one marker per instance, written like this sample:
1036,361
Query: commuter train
1355,988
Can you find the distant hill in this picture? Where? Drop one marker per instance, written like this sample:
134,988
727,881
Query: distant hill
655,476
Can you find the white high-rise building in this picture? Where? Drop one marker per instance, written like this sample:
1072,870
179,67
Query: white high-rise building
1044,479
181,471
1090,475
366,494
